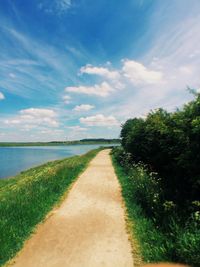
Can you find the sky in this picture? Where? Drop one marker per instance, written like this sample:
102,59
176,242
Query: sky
73,69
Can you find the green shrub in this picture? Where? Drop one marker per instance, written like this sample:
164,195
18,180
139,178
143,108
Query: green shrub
162,234
151,240
169,143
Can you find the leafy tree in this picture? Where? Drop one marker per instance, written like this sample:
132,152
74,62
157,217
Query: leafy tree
169,143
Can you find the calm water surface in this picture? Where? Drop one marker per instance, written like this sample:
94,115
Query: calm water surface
15,159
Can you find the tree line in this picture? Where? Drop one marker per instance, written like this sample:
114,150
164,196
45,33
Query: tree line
169,144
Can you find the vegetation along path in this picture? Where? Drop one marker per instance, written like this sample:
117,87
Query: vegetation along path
88,229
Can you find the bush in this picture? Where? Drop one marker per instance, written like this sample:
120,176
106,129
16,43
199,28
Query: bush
162,234
169,144
152,243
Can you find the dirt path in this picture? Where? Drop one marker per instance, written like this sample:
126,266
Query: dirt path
88,229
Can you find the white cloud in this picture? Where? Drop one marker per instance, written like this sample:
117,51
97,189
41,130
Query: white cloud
131,71
63,5
52,132
100,120
187,70
103,89
194,54
104,72
66,99
138,74
12,75
55,6
178,52
2,96
28,72
34,117
175,55
113,76
38,112
83,107
77,128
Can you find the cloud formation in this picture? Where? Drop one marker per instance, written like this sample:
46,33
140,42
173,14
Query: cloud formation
103,89
131,72
113,77
55,6
83,107
138,74
101,71
2,96
77,128
66,99
128,74
34,117
100,120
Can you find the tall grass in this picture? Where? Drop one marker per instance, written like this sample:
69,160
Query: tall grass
161,234
26,199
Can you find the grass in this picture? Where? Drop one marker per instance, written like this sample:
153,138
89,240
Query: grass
177,243
149,239
26,199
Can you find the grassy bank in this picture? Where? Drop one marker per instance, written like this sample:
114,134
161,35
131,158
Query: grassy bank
26,199
149,239
160,234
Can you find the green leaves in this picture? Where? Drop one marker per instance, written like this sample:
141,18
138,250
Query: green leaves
169,143
162,235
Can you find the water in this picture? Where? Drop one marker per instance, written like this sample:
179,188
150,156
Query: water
15,159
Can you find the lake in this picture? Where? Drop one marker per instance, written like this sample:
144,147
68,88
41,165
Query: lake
16,159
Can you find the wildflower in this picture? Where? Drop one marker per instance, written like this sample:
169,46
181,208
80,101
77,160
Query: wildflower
169,205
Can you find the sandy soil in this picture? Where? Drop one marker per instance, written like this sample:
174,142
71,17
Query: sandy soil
88,229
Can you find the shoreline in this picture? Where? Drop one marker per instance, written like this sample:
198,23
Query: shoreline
59,143
30,196
10,172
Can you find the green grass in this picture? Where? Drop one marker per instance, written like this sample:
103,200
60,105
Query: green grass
177,243
27,198
150,240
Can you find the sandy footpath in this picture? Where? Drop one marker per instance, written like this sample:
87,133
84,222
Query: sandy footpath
88,229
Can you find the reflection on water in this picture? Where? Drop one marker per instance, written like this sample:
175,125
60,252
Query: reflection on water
15,159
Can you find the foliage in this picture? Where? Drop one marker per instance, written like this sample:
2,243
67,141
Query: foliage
169,143
154,220
26,199
151,243
160,158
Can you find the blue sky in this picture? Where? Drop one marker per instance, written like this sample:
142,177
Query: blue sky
72,69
